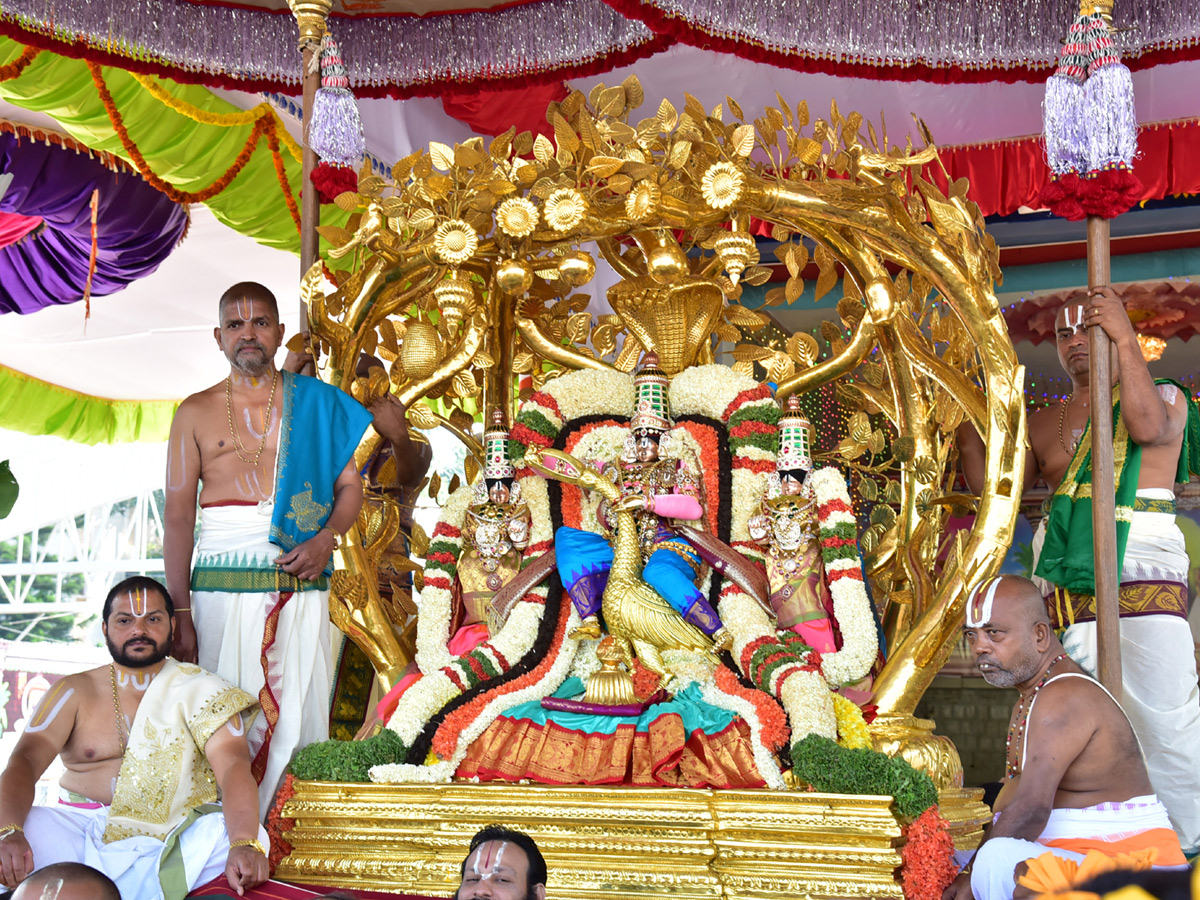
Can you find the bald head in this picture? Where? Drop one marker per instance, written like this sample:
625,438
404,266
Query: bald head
248,290
1008,630
1013,596
67,881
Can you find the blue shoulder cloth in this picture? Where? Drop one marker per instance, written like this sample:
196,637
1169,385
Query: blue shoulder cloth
320,430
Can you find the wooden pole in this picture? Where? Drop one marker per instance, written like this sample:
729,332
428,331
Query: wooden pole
1104,512
310,207
311,16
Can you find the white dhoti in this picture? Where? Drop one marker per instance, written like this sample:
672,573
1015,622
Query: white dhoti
138,865
1111,828
1158,666
271,643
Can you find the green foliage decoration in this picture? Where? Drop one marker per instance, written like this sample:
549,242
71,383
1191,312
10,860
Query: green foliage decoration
348,760
834,769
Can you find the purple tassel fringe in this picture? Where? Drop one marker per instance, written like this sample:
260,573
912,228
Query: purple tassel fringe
336,130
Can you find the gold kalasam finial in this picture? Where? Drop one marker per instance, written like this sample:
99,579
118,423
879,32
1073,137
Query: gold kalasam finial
311,16
1103,7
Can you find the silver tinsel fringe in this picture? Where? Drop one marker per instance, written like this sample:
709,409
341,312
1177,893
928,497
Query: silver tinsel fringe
967,33
1063,124
400,51
1109,120
556,33
336,130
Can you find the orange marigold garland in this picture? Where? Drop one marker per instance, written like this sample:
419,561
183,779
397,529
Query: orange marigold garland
18,65
927,853
262,127
281,173
770,714
277,823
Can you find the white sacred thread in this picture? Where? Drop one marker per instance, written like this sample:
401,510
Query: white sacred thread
139,682
981,614
52,715
236,730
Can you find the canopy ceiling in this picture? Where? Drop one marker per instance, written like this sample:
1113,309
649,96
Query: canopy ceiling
151,341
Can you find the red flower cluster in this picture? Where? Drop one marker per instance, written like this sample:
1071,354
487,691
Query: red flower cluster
770,714
277,824
927,868
445,741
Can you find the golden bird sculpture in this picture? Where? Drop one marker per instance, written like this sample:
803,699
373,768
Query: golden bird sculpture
635,615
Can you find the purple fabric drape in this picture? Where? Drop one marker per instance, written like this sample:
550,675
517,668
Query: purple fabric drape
137,226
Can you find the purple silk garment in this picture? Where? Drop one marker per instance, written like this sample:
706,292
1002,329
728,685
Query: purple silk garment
137,226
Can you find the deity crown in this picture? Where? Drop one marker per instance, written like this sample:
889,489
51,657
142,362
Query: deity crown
793,439
651,408
496,462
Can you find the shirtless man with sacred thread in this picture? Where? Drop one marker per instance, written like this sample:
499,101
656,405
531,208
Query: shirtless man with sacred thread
1156,443
1074,777
269,455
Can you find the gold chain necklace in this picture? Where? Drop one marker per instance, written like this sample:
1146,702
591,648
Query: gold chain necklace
1062,429
237,447
122,727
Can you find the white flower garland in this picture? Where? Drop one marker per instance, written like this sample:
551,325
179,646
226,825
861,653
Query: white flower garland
807,700
420,703
707,390
435,604
745,620
851,606
591,392
398,773
764,759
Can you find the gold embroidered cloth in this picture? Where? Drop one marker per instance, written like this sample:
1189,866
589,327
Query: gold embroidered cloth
1137,598
165,773
663,754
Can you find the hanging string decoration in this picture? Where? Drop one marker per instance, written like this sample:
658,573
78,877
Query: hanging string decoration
335,132
1089,124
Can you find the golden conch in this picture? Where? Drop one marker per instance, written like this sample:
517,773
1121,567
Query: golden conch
456,299
420,353
672,320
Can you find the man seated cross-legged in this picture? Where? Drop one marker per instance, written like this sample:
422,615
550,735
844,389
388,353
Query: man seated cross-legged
147,743
1075,779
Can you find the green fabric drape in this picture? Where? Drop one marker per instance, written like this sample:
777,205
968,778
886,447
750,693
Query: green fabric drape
37,407
190,155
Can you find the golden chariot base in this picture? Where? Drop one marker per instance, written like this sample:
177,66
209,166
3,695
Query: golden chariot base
605,843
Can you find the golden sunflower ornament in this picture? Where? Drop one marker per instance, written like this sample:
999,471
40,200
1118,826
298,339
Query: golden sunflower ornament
564,209
642,202
454,242
722,185
517,217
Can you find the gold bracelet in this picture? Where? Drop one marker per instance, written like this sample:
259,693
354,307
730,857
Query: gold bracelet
183,609
248,842
336,540
14,828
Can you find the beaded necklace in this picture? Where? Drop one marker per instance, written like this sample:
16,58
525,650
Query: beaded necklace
1016,731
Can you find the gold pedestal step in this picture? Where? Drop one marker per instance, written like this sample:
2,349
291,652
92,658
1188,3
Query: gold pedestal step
607,843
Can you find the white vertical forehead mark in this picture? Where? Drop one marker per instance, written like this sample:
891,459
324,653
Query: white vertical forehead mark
51,889
244,308
484,864
1072,316
135,603
980,602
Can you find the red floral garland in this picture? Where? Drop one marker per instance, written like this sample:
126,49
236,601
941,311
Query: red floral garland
771,718
927,853
18,65
277,824
445,741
